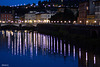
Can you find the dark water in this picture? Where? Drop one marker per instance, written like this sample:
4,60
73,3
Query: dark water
31,49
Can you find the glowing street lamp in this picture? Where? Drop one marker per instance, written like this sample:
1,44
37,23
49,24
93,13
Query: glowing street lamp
12,21
95,21
87,21
51,21
80,21
57,21
22,21
74,22
64,21
61,21
69,21
54,21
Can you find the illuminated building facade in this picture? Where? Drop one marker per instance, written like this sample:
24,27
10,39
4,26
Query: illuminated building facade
43,17
97,12
83,12
6,17
30,17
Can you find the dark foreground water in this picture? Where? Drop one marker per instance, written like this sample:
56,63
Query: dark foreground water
31,49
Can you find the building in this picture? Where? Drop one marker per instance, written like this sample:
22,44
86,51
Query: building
90,19
83,12
97,12
6,17
43,17
30,17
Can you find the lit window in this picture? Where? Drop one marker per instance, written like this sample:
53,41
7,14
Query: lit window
87,8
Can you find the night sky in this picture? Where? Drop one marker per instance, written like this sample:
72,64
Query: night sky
16,2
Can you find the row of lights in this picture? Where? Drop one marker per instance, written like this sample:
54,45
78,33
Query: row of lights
44,21
19,21
74,22
88,21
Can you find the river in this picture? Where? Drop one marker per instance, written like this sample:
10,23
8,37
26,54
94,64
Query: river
26,48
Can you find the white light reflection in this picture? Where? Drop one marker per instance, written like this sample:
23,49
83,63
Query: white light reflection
31,46
46,42
68,49
8,40
17,43
86,58
80,53
23,44
26,42
60,46
74,52
14,44
94,59
20,44
39,40
36,44
51,45
12,47
54,44
57,46
34,39
64,49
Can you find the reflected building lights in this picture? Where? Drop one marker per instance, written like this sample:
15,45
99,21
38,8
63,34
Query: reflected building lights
94,59
54,45
80,53
60,46
57,46
25,42
68,49
47,41
64,49
74,52
20,44
28,40
14,44
51,45
86,58
39,39
12,47
34,39
36,44
8,40
17,43
31,46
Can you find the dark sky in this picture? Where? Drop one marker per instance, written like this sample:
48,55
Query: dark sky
16,2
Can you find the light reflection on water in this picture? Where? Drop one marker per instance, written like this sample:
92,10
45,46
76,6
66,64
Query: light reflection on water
31,43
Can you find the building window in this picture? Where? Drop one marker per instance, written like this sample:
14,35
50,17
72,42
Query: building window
87,8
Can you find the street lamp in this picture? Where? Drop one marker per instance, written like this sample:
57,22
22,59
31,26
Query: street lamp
95,21
87,21
69,21
74,22
61,21
64,21
80,21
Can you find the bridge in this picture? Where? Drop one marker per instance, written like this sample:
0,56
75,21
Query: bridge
87,30
18,24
